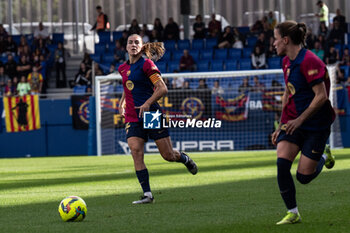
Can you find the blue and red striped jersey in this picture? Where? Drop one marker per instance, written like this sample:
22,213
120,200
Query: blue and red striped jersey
138,80
300,76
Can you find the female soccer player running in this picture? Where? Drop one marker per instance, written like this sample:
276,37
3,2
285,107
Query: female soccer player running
306,116
143,86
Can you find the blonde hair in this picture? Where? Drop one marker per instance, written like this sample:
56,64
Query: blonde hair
153,50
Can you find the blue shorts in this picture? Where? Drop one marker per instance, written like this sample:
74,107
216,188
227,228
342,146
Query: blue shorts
311,143
135,129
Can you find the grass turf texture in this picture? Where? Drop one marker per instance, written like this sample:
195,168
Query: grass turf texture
232,192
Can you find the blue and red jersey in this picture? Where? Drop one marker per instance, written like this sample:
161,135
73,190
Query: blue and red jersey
138,83
300,75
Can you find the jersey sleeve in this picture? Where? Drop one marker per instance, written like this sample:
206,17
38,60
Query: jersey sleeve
151,71
313,69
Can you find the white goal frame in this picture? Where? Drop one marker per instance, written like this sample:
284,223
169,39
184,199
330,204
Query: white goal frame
197,75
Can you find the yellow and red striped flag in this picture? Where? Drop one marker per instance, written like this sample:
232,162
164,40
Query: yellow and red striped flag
22,113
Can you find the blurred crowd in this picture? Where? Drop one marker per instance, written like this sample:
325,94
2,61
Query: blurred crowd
25,61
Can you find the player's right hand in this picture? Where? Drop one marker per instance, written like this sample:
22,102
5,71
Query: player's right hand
274,136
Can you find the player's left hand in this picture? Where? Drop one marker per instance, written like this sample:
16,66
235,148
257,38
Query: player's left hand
143,108
292,125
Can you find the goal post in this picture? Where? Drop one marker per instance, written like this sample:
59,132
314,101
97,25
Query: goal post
247,115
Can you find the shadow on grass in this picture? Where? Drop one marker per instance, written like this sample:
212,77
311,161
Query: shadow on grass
121,175
178,169
240,206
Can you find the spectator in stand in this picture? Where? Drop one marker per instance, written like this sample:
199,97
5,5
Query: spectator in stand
258,86
245,86
257,27
322,41
171,31
28,53
3,79
87,60
24,67
340,74
112,69
186,62
23,88
258,59
186,85
323,13
276,85
119,52
318,50
22,43
101,23
155,36
41,33
35,79
60,62
134,27
271,52
345,60
261,42
332,56
178,82
199,28
268,33
98,71
217,89
124,39
158,27
43,67
238,39
11,67
271,21
310,38
323,30
145,29
36,61
214,27
336,35
10,89
2,46
342,21
10,46
202,84
42,48
226,38
80,77
3,32
144,36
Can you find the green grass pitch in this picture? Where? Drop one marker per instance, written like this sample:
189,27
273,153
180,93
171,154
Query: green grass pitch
232,192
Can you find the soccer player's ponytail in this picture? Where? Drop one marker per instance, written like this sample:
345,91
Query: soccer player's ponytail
295,31
154,50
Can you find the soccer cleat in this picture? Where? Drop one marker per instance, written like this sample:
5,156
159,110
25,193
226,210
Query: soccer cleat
191,165
329,163
144,200
290,218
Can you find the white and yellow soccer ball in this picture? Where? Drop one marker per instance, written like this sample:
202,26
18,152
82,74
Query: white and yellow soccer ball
72,209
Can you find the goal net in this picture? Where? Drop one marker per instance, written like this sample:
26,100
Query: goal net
232,110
